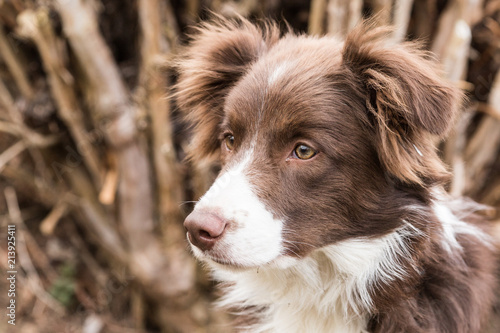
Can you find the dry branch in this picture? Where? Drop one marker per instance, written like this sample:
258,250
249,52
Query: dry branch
15,67
484,146
481,151
92,217
10,153
108,190
32,186
153,45
37,26
343,15
128,195
109,95
169,23
317,17
402,12
49,223
494,99
24,258
382,10
16,125
155,82
453,37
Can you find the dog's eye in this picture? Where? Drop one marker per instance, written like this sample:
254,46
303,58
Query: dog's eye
229,140
303,152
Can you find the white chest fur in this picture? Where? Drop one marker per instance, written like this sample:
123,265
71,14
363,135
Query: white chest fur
326,292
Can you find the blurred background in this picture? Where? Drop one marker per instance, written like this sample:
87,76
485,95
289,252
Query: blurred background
91,149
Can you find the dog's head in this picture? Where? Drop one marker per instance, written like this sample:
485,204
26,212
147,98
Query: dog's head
319,140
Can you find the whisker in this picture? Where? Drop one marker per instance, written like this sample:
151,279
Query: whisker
289,232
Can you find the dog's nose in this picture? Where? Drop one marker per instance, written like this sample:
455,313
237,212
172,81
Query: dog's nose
204,229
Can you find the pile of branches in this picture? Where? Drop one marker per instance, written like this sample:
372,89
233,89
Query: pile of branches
91,147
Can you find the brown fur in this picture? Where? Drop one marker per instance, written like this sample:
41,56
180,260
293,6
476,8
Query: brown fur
368,109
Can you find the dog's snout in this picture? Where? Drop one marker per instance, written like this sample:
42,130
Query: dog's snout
204,229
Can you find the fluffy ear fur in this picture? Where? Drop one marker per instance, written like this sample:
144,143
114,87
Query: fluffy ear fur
410,103
218,56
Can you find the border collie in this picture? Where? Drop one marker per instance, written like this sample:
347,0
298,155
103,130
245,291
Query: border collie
329,213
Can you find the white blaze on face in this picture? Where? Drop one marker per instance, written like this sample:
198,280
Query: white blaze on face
253,235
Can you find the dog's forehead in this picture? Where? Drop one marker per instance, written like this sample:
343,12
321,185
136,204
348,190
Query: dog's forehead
284,87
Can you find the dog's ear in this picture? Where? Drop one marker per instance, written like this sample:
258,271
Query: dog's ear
409,102
218,56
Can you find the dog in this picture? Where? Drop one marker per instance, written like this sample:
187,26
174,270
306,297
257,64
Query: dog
329,213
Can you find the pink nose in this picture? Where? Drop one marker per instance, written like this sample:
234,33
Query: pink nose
204,229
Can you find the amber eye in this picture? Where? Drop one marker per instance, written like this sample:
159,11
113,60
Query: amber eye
304,152
229,140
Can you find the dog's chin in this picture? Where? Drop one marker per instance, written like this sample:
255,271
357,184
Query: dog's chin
241,264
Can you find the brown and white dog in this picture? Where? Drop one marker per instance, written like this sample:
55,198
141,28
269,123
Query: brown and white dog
328,214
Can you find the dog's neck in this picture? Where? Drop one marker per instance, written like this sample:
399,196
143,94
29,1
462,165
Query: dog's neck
330,290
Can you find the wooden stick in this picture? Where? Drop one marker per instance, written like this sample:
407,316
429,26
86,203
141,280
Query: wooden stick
108,191
24,258
482,151
14,65
99,274
11,153
37,26
343,15
453,37
169,24
382,10
402,12
92,216
106,91
317,17
166,167
494,98
30,185
454,148
112,102
49,223
17,126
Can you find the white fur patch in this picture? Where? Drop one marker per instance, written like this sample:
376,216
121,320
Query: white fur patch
327,291
278,72
453,226
254,235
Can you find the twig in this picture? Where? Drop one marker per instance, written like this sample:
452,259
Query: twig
111,98
454,154
92,217
14,65
49,223
27,183
108,191
402,12
37,26
100,276
39,256
24,258
482,151
453,37
494,98
10,153
166,167
170,26
17,127
343,15
193,7
382,10
317,17
106,89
